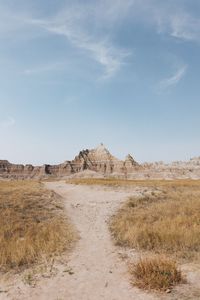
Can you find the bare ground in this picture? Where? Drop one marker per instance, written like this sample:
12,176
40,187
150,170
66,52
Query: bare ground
95,269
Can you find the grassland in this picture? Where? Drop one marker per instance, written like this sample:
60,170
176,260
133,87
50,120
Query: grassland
161,184
164,222
163,225
32,224
165,219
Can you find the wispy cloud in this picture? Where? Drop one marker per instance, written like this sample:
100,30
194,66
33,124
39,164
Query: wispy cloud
185,27
169,18
99,49
173,80
182,25
7,123
87,27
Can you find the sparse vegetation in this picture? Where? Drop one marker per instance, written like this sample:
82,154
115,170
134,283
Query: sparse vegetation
165,219
32,224
165,222
113,182
29,278
156,272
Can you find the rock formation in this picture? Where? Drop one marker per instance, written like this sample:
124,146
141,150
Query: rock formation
102,162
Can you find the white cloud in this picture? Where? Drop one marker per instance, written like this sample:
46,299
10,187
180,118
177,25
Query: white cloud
168,18
173,80
176,22
98,48
185,27
87,27
7,123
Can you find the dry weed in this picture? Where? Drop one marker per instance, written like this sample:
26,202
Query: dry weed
32,224
136,183
165,222
156,272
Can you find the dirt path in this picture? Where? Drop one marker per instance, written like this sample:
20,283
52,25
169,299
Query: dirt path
96,269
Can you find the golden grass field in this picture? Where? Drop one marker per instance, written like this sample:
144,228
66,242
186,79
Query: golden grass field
32,224
163,225
163,222
165,219
112,182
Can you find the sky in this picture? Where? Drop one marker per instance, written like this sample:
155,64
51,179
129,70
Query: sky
74,74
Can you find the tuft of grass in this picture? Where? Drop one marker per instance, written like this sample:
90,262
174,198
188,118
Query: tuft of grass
166,222
29,279
156,272
33,225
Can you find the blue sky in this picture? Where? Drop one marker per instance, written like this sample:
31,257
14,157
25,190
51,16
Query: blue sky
77,73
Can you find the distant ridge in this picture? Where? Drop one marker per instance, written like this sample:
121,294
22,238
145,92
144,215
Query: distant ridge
100,161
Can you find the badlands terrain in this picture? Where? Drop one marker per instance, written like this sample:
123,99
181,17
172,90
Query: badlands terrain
100,228
101,162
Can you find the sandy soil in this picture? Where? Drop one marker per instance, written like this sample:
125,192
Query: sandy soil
95,269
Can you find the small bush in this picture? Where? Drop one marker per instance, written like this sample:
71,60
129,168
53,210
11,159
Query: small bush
158,273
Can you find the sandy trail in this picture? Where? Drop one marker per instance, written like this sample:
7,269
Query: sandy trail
97,271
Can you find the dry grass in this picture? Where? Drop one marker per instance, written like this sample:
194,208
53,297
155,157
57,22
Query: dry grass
167,222
164,221
32,224
158,273
136,183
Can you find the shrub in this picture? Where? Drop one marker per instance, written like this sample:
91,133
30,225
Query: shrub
157,273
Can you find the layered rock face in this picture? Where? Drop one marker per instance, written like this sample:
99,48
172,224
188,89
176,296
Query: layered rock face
101,161
176,170
98,160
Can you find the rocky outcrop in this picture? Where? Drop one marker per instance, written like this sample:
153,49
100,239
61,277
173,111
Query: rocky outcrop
8,170
98,160
101,161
